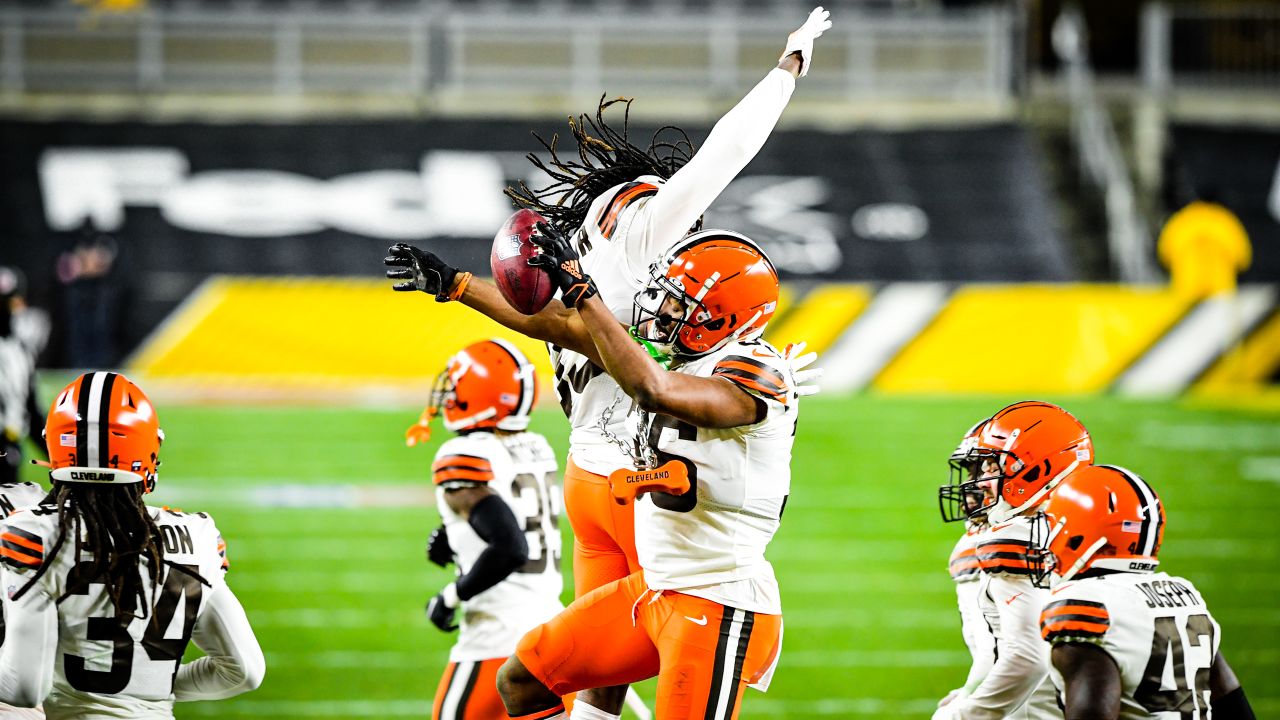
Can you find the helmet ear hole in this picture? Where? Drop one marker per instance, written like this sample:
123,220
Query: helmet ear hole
715,324
1033,474
1075,541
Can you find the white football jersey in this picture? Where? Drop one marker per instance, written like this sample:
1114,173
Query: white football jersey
523,469
630,226
1015,683
115,670
710,542
12,497
19,495
978,638
1155,627
617,245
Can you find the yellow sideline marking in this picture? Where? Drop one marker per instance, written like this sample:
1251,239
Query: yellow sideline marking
1247,367
316,332
1033,339
822,316
180,323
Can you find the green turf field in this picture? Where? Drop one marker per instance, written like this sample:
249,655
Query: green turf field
335,584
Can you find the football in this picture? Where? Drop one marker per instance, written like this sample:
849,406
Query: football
526,288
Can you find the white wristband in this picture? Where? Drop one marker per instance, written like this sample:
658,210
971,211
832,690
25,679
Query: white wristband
450,595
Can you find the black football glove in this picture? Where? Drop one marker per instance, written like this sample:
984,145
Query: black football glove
438,548
420,270
442,607
562,264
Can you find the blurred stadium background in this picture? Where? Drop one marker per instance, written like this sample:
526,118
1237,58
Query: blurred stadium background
964,198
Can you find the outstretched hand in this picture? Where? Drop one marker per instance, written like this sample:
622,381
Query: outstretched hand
804,379
420,270
800,42
562,264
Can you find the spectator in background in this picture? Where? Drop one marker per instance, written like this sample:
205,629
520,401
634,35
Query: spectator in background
30,324
92,298
20,414
1205,247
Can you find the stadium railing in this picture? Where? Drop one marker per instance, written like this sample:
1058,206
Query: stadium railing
285,51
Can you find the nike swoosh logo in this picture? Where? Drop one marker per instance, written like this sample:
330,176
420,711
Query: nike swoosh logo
698,621
757,353
1010,600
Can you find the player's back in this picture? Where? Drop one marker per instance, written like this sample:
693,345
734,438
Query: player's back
522,469
1155,627
713,537
108,668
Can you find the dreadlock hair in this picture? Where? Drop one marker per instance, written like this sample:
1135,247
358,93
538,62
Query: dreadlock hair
605,158
111,524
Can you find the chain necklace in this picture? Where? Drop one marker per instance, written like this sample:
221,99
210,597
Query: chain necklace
641,454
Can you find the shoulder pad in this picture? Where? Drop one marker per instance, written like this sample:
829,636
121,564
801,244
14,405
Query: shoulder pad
621,197
1074,620
22,541
757,368
466,459
1003,548
964,560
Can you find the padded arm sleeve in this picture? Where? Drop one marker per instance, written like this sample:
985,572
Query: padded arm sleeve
1233,706
233,661
507,549
1023,660
30,645
732,143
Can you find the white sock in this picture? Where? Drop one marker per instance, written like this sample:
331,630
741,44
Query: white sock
583,711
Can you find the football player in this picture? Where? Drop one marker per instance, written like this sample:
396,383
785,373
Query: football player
1127,641
102,592
16,495
624,206
20,414
710,437
963,564
497,497
1024,451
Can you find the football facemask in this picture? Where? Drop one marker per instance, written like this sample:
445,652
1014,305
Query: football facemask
962,497
714,287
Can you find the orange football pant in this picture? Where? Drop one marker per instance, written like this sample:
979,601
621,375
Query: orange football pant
704,653
469,691
604,532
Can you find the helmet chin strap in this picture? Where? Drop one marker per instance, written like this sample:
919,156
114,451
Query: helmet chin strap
1011,511
1083,560
465,422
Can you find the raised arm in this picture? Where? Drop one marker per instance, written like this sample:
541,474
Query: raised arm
702,402
733,142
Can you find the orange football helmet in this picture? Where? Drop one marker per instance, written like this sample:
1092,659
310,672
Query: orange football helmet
1034,445
1103,517
488,384
712,287
103,429
961,497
